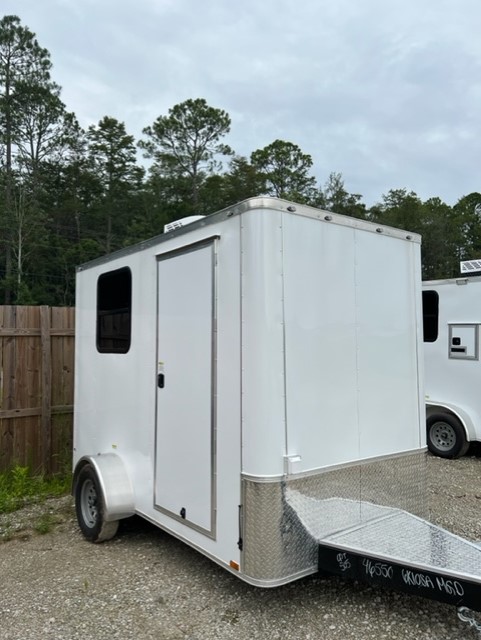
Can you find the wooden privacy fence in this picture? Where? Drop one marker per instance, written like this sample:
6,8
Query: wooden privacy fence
36,387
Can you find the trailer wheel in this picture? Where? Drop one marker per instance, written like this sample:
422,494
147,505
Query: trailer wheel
89,507
446,437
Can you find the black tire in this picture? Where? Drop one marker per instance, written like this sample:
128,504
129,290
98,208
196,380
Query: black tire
89,507
446,436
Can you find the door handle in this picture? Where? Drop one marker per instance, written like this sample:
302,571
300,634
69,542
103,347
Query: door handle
160,380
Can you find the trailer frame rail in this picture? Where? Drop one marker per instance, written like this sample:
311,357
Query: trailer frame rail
404,577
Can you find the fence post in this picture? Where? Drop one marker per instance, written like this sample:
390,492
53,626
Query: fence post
46,388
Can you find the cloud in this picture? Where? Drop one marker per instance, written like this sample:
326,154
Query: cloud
386,93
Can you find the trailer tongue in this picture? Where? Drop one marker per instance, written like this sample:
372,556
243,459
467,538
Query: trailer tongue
391,548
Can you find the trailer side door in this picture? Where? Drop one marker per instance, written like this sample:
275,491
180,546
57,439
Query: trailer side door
186,383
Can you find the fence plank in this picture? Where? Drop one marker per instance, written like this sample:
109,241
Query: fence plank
34,411
8,400
46,386
34,332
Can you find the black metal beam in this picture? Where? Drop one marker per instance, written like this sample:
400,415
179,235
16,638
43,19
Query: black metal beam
401,577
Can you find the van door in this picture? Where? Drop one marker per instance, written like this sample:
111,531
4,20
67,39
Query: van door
186,383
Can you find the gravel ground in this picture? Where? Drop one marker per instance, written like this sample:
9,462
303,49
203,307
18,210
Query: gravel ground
145,584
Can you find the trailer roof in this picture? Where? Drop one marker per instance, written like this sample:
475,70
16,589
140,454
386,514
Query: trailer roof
458,280
261,202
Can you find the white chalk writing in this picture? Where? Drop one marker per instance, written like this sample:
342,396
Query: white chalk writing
416,579
451,587
379,569
343,561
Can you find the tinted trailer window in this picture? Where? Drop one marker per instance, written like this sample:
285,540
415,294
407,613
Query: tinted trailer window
430,315
114,311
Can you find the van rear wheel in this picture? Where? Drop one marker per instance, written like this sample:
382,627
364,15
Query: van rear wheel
89,507
446,436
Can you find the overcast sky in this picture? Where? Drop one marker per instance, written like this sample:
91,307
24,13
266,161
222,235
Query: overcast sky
386,92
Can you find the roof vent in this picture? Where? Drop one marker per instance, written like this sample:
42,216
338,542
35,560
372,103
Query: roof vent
176,224
470,267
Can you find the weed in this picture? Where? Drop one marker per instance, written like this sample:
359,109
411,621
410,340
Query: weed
45,523
18,488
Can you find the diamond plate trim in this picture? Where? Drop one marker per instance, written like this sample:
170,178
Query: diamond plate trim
277,546
410,540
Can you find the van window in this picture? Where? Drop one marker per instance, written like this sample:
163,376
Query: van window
114,311
430,315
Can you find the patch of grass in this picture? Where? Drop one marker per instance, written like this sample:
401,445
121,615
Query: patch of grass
6,531
18,488
45,523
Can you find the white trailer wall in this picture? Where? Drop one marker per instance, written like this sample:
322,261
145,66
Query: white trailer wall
115,395
262,343
353,375
331,316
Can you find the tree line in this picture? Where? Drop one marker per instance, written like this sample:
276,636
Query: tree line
68,194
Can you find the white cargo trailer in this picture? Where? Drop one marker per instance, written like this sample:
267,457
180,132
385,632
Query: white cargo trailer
252,384
452,317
